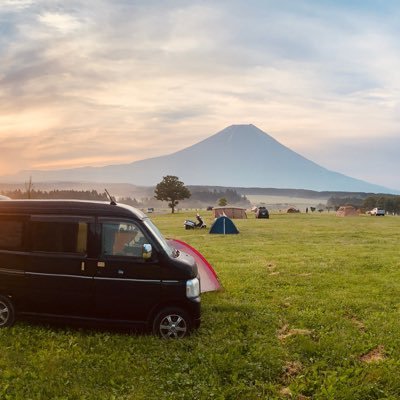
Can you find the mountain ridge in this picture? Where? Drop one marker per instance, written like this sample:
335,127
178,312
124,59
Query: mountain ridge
237,156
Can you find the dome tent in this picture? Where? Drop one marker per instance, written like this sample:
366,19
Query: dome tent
223,225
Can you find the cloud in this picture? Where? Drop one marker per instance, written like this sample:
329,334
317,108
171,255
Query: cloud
118,81
61,23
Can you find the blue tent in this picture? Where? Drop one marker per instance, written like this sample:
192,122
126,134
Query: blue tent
223,225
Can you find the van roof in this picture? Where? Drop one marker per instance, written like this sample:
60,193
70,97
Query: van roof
70,207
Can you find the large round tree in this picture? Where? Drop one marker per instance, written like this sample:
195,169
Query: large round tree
171,189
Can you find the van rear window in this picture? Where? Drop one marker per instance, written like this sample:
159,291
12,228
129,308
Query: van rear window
11,234
59,237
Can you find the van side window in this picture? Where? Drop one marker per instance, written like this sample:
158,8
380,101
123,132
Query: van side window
122,239
11,234
59,237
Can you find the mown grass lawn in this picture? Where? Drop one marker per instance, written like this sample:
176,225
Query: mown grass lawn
310,309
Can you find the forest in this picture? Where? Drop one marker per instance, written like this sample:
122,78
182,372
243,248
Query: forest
389,203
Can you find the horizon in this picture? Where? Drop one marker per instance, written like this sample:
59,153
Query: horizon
104,83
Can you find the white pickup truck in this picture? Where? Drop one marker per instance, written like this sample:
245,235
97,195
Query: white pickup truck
377,212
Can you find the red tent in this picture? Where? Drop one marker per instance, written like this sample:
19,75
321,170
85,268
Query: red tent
208,278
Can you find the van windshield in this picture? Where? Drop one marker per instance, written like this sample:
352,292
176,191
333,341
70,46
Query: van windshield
160,238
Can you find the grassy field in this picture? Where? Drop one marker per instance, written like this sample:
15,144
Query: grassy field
310,309
283,202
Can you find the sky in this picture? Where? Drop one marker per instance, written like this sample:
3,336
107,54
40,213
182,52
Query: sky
95,82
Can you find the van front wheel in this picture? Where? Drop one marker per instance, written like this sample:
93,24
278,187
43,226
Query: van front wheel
7,313
172,323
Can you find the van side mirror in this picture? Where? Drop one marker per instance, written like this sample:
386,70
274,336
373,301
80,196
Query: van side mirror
146,251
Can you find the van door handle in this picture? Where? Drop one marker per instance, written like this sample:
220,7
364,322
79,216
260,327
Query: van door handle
120,272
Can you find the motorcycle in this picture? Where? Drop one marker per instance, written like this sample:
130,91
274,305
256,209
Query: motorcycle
188,224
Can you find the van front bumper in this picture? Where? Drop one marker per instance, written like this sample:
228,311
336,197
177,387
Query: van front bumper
195,312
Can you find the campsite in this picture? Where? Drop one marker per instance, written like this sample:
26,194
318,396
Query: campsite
309,309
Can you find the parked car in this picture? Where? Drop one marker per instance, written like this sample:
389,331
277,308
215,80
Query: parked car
262,212
377,212
101,262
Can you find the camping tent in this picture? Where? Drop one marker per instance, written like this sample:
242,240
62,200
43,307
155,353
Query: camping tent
223,225
231,212
346,211
208,278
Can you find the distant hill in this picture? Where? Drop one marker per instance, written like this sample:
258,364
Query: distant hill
238,156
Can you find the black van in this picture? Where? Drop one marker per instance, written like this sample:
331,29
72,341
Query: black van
95,261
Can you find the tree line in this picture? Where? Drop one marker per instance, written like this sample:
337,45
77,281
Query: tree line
18,194
212,197
206,197
389,203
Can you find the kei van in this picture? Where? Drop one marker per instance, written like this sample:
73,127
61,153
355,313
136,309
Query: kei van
102,262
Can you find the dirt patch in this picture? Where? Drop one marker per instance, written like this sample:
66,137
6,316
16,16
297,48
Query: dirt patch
356,322
286,303
271,268
290,370
285,332
286,392
270,264
359,324
375,355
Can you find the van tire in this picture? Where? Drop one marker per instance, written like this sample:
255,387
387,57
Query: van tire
7,312
172,323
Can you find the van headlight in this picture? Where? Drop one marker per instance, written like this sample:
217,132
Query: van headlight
192,288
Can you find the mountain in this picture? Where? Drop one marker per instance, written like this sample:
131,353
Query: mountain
237,156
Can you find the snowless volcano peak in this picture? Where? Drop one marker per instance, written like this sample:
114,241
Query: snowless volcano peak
238,156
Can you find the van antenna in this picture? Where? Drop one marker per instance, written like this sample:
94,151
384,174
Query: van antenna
112,198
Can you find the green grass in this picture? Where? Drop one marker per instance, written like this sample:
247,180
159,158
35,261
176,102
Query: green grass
305,297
